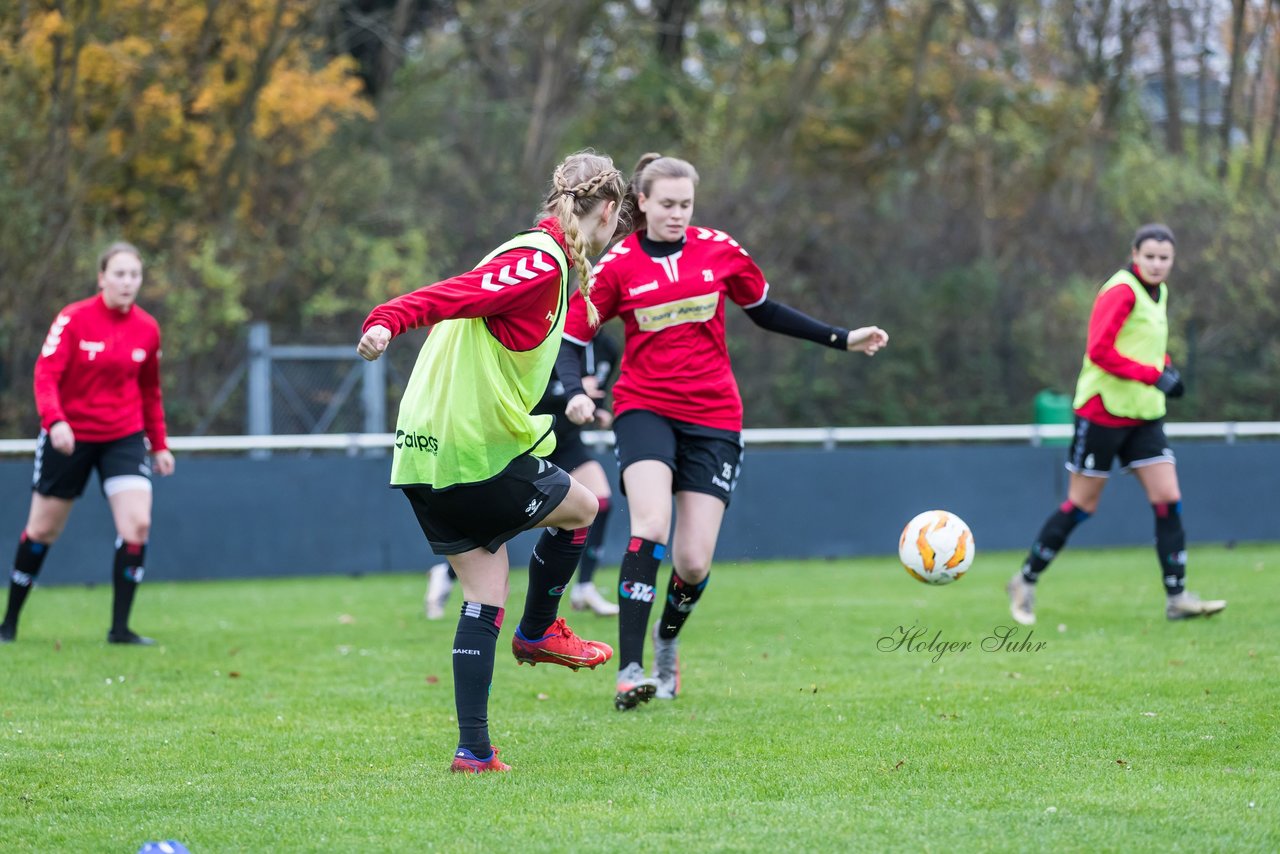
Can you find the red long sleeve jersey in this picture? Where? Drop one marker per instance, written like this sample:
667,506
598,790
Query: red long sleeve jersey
1110,311
99,371
517,293
675,361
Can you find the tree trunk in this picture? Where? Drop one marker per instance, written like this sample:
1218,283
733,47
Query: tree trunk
230,173
672,15
556,84
1202,86
911,112
1233,81
391,52
1274,128
1169,73
1255,85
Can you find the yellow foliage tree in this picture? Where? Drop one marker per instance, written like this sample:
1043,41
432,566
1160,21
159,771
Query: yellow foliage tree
184,126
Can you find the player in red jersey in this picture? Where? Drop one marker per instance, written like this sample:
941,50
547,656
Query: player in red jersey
97,389
1119,405
678,414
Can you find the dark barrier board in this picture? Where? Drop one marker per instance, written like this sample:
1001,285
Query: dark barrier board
239,517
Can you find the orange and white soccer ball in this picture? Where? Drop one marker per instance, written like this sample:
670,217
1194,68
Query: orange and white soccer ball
936,547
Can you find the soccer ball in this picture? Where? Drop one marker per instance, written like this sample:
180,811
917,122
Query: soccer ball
936,547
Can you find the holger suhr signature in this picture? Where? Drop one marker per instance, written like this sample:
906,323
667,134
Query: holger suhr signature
919,639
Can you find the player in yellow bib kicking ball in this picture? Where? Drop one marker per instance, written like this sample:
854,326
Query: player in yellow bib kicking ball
470,457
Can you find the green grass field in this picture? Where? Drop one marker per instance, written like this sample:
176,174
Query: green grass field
316,715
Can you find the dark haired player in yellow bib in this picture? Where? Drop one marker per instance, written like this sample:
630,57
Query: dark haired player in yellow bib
1120,407
469,455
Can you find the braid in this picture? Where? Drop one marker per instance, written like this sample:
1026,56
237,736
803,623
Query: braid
570,199
578,248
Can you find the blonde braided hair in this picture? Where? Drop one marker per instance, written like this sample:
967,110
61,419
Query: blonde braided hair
579,183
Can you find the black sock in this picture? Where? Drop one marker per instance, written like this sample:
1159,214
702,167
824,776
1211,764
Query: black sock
551,565
26,566
636,579
681,597
1053,536
595,539
1171,546
473,649
126,575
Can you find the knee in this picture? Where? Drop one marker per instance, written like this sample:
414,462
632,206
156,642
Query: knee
135,530
652,529
692,568
650,521
584,512
43,532
1087,503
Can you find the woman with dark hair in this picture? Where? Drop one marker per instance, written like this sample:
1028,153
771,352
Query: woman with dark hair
1119,415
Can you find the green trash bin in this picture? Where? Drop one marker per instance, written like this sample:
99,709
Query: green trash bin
1053,408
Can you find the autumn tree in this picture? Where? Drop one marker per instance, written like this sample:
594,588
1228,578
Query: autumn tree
185,127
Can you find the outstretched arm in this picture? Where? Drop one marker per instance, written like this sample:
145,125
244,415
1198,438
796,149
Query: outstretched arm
776,317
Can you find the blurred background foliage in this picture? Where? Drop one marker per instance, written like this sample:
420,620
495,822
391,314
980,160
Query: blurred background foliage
962,173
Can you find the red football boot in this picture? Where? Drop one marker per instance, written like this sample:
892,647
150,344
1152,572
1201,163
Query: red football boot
560,646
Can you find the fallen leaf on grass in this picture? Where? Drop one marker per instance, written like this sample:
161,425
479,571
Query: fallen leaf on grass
234,674
433,679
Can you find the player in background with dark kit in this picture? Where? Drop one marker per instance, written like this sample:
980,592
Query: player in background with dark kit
97,389
600,357
678,414
1120,407
470,456
572,455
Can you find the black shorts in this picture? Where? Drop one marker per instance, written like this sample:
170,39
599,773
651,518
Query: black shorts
122,465
703,459
485,515
1094,447
570,451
